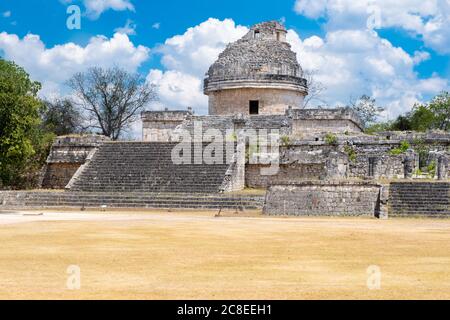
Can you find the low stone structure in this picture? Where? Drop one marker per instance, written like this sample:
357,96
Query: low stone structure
13,200
313,121
158,126
66,156
331,198
305,124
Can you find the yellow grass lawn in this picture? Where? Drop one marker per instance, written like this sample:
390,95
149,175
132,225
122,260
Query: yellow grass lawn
188,255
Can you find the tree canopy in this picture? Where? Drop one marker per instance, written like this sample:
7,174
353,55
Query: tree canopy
61,117
19,122
434,115
111,98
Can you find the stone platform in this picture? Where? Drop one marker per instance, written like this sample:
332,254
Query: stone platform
56,199
420,199
322,198
147,167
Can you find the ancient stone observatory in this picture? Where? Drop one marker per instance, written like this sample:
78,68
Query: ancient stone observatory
258,74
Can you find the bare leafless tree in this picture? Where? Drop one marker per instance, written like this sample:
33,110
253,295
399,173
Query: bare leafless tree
315,88
111,98
366,107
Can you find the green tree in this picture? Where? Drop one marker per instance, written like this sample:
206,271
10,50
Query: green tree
19,123
61,117
379,127
402,123
440,107
421,118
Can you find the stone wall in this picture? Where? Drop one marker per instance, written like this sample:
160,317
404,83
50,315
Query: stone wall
377,165
311,121
58,175
315,126
271,101
287,174
67,154
16,200
324,199
158,126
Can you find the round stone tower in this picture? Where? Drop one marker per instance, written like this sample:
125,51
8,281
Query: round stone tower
258,74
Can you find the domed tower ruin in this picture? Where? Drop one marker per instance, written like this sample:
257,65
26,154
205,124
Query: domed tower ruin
258,74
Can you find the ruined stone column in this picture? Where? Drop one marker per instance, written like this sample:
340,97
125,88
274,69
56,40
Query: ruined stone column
409,163
383,211
442,167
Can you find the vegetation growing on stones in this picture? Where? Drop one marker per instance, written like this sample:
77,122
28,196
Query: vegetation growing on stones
351,153
285,141
431,169
404,146
232,137
331,139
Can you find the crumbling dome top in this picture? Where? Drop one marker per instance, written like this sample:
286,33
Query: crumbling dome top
261,56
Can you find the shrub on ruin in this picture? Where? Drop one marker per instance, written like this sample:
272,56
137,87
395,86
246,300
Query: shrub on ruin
285,141
404,146
431,169
331,139
351,153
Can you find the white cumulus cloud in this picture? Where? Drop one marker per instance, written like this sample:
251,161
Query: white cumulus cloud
53,66
94,8
178,90
186,59
354,62
428,19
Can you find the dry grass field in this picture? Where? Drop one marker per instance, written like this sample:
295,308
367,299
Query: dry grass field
188,255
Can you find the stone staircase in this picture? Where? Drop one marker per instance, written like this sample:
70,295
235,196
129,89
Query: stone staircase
147,167
420,199
68,199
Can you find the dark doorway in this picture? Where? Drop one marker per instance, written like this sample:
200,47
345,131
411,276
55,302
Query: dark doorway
254,107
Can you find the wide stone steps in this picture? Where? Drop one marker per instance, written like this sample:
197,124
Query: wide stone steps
148,167
420,198
132,200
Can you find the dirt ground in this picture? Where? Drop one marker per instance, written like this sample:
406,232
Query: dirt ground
192,255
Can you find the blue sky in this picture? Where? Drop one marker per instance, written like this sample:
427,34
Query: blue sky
402,59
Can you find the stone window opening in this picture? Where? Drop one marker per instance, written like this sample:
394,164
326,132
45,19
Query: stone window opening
278,36
257,34
254,107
